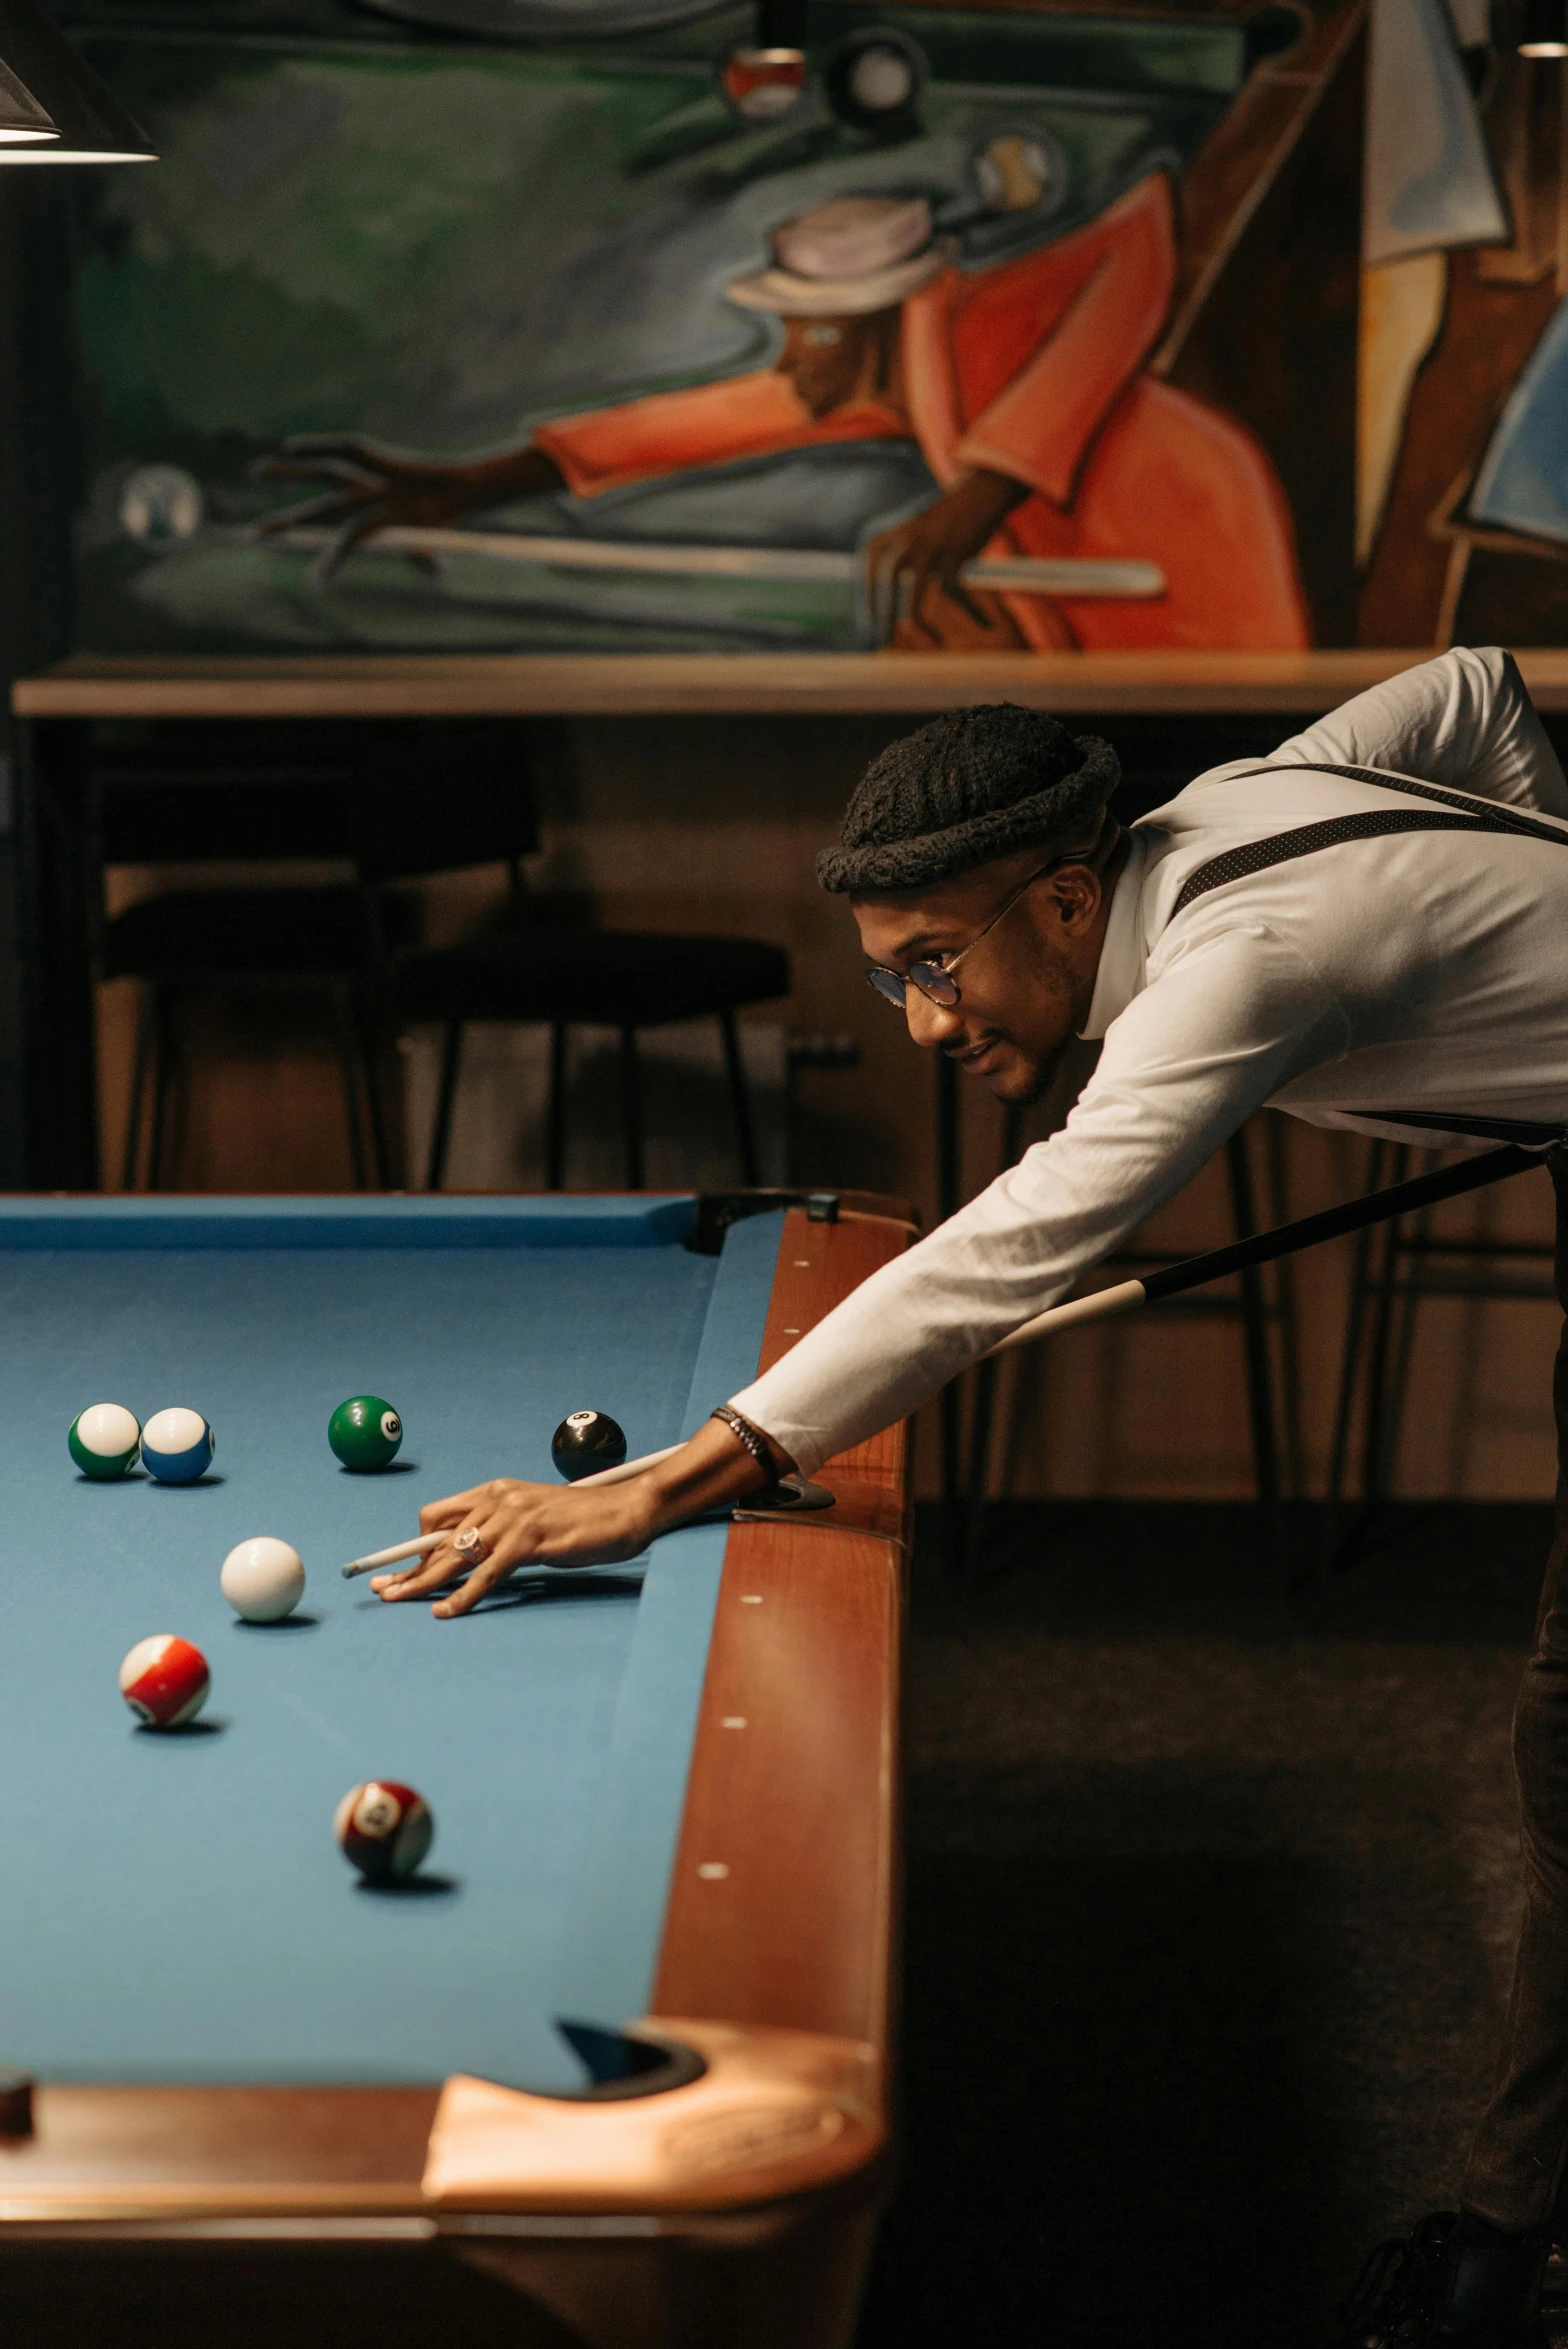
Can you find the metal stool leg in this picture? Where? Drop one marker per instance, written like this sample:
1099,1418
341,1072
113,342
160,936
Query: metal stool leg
740,1102
1397,1383
1260,1378
441,1131
555,1112
162,1070
982,1408
1286,1315
947,1138
348,1064
1373,1456
366,1044
139,1075
950,1407
1350,1364
631,1109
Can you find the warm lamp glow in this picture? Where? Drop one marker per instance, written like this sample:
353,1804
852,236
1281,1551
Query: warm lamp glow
23,122
60,153
53,107
1545,29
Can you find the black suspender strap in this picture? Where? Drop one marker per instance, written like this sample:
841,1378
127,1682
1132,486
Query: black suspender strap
1468,815
1257,856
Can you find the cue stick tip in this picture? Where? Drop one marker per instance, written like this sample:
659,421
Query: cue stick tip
394,1556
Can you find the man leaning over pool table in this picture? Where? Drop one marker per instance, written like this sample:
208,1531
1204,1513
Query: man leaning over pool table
1403,973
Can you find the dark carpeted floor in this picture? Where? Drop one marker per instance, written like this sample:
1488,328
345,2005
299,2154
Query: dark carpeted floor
1211,1886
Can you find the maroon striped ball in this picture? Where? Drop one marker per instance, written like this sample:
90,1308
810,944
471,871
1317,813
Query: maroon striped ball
385,1829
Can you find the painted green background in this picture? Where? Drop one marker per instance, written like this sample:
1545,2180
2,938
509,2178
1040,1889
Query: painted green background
439,243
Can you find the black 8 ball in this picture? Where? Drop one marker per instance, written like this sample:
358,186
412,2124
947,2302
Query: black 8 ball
585,1442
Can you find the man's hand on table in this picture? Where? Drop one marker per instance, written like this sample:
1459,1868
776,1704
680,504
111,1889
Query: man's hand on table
573,1525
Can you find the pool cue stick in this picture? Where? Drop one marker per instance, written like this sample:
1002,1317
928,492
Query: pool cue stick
423,1543
1192,1272
395,1555
1354,1215
630,1467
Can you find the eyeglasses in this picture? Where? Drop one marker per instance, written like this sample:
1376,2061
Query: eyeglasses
935,978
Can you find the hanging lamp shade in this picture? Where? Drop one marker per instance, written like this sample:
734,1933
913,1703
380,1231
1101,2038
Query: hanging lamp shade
53,107
1545,29
23,122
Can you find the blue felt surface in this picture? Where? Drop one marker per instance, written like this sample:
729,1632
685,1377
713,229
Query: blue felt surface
175,1907
612,1930
642,1220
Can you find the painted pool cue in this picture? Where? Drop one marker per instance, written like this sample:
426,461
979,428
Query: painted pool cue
1447,1182
1124,579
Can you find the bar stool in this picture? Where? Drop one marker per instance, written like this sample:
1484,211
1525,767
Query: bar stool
558,978
1266,1316
326,942
395,801
1396,1267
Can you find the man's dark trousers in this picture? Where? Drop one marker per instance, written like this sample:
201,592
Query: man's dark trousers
1516,2165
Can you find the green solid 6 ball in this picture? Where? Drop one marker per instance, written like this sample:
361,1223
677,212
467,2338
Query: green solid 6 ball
365,1432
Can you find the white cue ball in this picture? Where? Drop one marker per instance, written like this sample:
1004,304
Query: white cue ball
263,1579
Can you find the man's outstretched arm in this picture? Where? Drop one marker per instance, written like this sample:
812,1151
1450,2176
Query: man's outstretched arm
1223,1028
364,487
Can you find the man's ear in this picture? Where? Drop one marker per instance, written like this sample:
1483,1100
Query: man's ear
1074,891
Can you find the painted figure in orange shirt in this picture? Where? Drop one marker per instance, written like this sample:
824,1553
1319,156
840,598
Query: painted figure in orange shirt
1022,385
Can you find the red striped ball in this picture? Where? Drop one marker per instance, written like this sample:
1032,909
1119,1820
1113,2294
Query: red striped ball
384,1828
165,1681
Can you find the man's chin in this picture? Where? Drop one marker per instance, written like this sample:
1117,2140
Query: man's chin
1021,1077
1014,1084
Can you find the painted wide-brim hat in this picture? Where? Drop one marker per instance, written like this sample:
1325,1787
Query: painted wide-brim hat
847,258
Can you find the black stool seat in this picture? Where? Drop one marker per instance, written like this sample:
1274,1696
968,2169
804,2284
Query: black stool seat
613,978
327,937
259,934
397,800
558,978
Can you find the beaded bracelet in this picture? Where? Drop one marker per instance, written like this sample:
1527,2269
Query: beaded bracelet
755,1442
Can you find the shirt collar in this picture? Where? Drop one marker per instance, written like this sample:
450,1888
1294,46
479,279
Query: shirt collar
1123,969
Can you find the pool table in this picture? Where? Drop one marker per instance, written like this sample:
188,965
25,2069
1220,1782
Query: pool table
664,1793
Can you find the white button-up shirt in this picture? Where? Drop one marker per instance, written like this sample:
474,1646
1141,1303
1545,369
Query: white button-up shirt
1424,972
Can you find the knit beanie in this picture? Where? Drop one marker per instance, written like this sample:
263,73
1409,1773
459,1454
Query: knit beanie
973,785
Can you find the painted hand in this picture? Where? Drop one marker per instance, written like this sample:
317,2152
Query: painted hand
913,571
365,488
